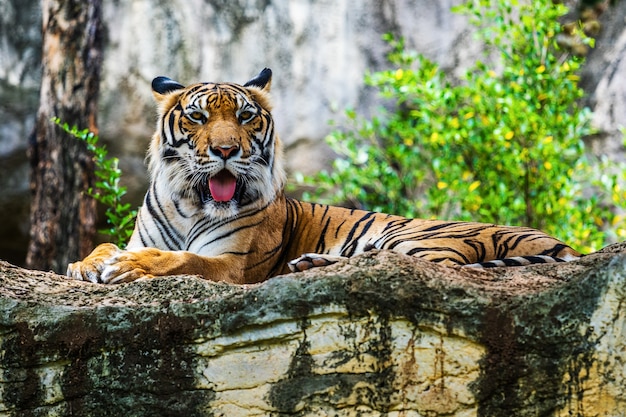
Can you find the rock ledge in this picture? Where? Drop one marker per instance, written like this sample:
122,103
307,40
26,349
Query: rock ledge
381,334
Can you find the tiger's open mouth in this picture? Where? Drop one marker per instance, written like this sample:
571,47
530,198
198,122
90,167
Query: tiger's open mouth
222,187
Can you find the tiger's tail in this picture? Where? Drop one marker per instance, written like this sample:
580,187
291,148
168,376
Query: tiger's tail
522,261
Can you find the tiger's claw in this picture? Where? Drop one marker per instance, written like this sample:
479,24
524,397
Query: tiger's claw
312,260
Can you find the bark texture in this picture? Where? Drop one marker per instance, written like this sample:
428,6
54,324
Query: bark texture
62,215
379,335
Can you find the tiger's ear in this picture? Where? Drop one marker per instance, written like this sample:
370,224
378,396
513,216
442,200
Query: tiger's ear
164,85
262,81
164,92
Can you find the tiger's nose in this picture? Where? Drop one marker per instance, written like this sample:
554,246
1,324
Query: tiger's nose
225,152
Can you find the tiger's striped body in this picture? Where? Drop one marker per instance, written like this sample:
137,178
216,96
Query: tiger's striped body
216,207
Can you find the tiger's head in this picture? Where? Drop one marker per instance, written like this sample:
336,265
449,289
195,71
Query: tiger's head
215,144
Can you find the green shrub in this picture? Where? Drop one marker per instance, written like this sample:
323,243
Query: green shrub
108,191
504,145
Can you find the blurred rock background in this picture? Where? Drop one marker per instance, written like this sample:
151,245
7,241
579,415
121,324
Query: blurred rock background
318,51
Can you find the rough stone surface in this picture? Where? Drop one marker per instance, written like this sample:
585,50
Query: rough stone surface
319,51
380,335
603,79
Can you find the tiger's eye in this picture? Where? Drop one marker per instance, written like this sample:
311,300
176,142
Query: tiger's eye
197,115
245,115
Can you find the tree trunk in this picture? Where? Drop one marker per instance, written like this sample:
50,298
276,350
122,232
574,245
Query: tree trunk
382,334
62,215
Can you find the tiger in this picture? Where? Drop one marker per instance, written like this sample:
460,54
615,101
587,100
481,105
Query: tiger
216,205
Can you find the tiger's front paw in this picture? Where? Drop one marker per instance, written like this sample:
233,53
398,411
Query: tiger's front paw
312,260
108,264
90,269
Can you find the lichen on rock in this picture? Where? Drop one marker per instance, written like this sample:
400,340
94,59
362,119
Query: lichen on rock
380,334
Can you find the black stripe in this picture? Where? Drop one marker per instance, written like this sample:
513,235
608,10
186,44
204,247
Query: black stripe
144,235
338,229
269,255
237,253
321,242
292,207
209,225
396,224
511,262
445,258
325,213
440,226
514,238
179,210
517,240
555,250
535,259
426,251
479,248
230,233
208,87
170,155
408,235
169,235
351,243
389,231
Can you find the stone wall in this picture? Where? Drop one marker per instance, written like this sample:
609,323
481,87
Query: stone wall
604,80
382,334
318,50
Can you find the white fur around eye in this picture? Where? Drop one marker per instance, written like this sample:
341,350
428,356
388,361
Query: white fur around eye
245,114
197,115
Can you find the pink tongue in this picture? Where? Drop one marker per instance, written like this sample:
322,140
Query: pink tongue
222,186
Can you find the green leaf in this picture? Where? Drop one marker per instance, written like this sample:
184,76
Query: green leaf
107,189
517,131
